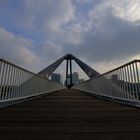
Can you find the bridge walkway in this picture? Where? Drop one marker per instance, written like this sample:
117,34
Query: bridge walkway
69,114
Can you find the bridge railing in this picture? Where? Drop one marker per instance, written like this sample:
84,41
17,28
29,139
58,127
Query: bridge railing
122,83
18,83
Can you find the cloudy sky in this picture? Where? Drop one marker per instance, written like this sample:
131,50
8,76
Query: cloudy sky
102,33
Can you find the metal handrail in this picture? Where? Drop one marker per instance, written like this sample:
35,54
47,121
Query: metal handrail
16,66
121,83
124,65
17,83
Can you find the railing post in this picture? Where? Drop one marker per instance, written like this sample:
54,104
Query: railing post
70,72
67,63
138,76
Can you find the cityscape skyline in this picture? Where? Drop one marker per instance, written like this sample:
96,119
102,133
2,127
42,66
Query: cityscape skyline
57,77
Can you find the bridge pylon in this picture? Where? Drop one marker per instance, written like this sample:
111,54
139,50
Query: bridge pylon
90,72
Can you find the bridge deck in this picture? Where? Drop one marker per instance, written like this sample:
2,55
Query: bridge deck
69,114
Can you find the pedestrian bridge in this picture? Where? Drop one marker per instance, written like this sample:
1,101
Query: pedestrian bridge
104,107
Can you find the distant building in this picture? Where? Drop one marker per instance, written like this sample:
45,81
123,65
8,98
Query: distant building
56,77
75,78
81,80
114,77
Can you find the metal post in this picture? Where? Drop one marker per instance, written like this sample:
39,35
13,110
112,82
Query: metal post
67,73
71,74
135,80
129,83
132,81
138,80
4,81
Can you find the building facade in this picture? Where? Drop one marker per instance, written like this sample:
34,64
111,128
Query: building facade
56,77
